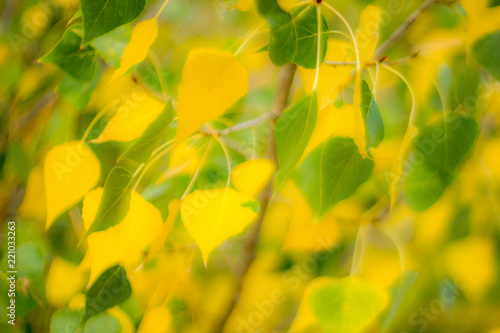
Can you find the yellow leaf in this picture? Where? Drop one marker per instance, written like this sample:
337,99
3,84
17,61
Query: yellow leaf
131,119
34,203
212,216
70,171
155,320
123,243
473,265
64,280
143,36
77,302
212,81
367,33
243,5
482,19
126,324
331,78
159,241
114,92
252,176
332,121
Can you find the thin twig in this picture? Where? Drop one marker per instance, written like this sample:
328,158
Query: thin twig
284,84
403,28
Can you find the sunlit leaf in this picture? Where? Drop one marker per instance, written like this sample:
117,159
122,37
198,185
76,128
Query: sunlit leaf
252,176
132,118
212,216
141,149
64,280
70,171
155,320
212,81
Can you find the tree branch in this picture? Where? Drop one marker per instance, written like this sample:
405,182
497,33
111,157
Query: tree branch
403,28
284,83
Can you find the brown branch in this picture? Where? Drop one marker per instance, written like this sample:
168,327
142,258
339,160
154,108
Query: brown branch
403,28
284,83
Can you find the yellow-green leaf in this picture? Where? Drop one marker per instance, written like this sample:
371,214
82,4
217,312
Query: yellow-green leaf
132,118
252,176
70,171
212,81
143,36
212,216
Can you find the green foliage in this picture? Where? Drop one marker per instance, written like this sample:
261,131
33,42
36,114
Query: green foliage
103,16
332,172
141,149
80,63
306,30
436,153
374,126
487,54
111,288
67,321
115,200
293,130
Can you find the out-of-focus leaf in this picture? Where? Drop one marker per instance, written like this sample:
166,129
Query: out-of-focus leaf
212,81
212,216
110,289
70,171
332,172
115,200
487,53
110,46
103,16
435,153
80,63
374,127
141,149
131,119
306,28
252,176
64,280
156,320
293,131
30,260
77,94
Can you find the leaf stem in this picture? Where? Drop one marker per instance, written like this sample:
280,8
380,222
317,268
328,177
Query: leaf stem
318,49
95,120
198,169
248,38
353,37
240,126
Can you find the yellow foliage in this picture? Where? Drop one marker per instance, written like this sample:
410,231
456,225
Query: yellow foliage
64,280
126,324
123,243
155,320
131,119
367,33
159,241
34,203
212,216
212,81
471,262
252,176
70,170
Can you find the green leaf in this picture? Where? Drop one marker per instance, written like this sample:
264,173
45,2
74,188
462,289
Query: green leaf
110,289
77,94
464,89
347,305
67,321
141,149
80,63
110,47
292,133
115,200
435,153
306,29
487,53
103,16
374,127
29,260
332,172
282,38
